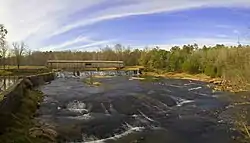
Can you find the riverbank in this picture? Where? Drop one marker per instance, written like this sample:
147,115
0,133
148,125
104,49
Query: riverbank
23,70
23,128
18,109
198,77
219,83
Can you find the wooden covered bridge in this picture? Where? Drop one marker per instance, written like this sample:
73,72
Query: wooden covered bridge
72,65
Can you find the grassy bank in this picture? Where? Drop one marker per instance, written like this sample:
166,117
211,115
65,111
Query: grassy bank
198,77
23,70
22,125
25,67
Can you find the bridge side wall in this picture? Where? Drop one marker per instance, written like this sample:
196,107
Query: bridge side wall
13,97
84,65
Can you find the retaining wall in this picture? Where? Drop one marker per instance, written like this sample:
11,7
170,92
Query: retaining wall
13,97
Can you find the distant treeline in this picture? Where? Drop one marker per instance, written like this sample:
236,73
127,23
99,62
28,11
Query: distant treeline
230,63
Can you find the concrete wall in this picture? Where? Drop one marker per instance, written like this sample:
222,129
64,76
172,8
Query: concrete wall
13,97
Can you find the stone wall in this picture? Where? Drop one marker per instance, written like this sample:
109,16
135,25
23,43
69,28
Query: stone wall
14,95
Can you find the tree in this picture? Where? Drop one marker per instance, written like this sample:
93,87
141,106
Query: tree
3,33
18,52
3,43
29,57
3,52
119,51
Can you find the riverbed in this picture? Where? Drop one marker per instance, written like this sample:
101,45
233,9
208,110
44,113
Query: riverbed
124,110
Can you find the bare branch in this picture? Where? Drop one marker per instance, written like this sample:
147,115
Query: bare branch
19,49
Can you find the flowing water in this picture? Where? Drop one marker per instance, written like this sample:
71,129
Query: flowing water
124,110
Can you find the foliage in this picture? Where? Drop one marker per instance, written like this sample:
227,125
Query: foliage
230,63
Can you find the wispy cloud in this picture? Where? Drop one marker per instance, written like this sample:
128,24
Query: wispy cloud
222,36
209,41
199,41
224,26
236,31
143,7
93,44
34,21
67,43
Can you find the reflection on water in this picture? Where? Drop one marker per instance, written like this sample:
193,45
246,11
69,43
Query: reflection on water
7,81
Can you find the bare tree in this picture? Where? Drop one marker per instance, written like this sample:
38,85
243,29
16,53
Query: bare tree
3,52
19,49
3,43
29,54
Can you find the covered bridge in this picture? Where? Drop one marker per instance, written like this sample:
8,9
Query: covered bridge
74,64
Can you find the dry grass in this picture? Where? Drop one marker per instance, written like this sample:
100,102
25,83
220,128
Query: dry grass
26,67
5,73
91,82
199,77
130,68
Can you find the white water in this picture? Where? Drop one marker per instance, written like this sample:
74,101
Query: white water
195,88
115,137
145,116
82,117
111,109
77,106
184,102
181,101
186,84
104,108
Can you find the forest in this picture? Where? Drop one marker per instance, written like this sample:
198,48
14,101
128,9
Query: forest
231,63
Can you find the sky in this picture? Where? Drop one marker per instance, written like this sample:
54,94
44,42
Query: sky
92,24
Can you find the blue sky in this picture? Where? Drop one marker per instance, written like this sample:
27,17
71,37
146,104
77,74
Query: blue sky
93,24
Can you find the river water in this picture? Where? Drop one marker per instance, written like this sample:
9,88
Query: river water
6,82
124,110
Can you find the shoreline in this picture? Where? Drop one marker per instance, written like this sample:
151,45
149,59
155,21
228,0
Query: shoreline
220,84
197,77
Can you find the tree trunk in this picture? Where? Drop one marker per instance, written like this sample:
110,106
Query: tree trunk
4,63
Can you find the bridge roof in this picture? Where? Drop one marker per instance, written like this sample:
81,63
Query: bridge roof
78,61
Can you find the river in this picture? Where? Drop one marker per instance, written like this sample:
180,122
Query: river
7,81
123,110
